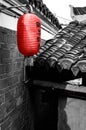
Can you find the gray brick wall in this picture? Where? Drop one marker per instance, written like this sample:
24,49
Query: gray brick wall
15,106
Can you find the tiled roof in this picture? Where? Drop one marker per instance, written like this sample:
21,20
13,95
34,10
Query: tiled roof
79,10
63,57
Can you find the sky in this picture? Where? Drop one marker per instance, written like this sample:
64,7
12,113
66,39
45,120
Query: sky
61,8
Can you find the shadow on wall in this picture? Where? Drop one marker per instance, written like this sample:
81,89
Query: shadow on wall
62,116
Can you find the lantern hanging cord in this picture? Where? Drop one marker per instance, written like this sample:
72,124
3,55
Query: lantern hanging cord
63,18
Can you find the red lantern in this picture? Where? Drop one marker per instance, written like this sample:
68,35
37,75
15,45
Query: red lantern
28,34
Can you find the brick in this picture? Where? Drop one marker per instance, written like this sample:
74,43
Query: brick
10,93
16,113
8,128
26,127
6,124
0,61
5,30
10,67
9,88
21,76
26,109
3,36
10,106
9,81
5,46
2,112
15,109
19,65
17,121
16,125
9,96
19,101
12,73
14,93
7,60
12,80
7,68
6,36
3,83
10,60
20,59
2,69
14,52
2,99
18,91
4,54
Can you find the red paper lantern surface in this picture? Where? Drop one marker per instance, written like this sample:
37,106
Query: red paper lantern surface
28,34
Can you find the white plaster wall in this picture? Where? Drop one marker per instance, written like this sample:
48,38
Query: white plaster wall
8,21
